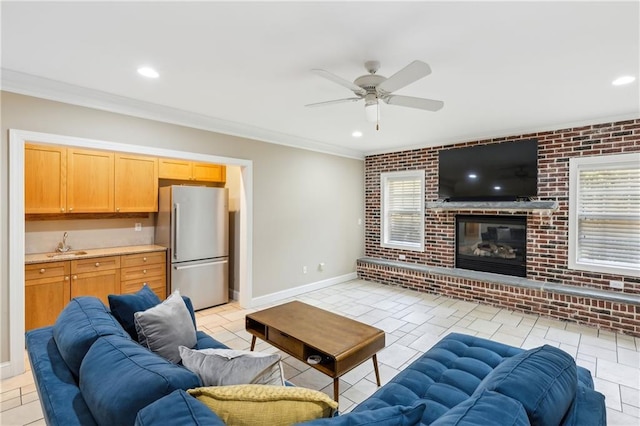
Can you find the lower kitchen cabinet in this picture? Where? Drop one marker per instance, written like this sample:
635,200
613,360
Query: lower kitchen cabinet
49,286
46,293
144,269
97,277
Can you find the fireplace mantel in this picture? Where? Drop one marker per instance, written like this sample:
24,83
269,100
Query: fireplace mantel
544,207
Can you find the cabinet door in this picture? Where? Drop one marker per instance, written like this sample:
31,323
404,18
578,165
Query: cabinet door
46,293
90,181
45,186
44,299
209,172
174,169
99,284
136,183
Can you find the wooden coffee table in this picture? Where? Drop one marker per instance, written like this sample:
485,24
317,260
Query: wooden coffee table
303,330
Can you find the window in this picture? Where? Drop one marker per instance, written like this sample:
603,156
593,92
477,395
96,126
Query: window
402,212
604,214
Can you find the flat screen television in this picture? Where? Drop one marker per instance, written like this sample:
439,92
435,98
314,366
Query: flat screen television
504,171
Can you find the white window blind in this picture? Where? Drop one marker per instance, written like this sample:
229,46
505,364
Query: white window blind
403,210
606,214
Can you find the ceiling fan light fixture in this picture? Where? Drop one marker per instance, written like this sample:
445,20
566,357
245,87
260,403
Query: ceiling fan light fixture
371,112
371,108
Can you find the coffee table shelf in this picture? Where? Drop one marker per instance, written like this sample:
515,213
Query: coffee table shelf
302,330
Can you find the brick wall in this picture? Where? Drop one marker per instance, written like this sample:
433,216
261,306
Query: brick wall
547,235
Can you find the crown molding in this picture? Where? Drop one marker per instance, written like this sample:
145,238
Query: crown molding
40,87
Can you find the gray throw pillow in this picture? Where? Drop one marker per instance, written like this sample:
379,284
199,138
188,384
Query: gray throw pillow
165,327
222,367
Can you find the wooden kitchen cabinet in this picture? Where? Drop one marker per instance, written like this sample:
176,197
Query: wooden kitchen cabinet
49,286
169,168
47,292
45,172
97,277
136,183
90,181
144,268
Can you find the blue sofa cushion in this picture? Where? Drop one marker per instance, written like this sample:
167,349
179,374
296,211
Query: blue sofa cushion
396,415
123,306
485,408
586,409
177,408
543,379
443,377
81,323
118,378
61,399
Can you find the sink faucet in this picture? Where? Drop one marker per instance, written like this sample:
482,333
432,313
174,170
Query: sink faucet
62,246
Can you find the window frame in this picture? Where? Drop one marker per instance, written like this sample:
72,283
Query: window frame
384,222
576,165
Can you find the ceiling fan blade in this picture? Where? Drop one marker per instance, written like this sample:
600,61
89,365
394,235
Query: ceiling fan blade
337,101
341,81
411,102
407,75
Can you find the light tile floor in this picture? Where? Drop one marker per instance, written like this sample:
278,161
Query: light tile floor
413,323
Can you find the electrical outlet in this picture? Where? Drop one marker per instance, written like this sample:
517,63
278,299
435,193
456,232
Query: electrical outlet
616,284
138,227
304,269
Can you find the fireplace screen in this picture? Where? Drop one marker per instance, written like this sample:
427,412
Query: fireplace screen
492,244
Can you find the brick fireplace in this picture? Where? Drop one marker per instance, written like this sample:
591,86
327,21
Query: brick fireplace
561,292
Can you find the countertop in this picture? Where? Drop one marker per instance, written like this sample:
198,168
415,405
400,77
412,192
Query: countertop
100,252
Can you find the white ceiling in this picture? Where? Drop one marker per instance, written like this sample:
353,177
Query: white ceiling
502,68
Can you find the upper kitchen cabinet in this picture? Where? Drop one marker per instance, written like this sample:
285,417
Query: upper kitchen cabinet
136,183
90,181
73,180
189,170
45,186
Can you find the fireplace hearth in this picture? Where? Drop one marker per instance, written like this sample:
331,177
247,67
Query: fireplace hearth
495,244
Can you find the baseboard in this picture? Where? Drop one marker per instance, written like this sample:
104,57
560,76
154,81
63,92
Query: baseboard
292,292
234,294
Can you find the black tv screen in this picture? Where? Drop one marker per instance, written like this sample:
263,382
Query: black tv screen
502,172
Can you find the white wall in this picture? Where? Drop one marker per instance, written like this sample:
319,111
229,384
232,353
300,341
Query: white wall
306,205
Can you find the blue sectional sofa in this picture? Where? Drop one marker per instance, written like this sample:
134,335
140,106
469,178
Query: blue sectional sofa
88,370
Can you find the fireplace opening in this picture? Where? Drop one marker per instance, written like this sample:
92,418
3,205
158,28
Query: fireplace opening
495,244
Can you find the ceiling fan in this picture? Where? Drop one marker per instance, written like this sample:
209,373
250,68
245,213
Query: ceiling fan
373,88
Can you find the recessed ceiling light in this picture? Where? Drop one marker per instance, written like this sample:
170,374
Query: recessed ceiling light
356,134
472,176
148,72
497,188
625,79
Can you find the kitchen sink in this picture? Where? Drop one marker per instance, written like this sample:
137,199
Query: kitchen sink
67,254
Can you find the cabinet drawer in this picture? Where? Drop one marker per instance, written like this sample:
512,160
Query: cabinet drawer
95,264
158,285
143,259
45,270
141,272
286,342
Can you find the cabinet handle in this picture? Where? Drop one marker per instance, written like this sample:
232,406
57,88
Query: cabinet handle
144,271
97,264
62,209
75,277
42,270
70,209
144,259
66,278
117,209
